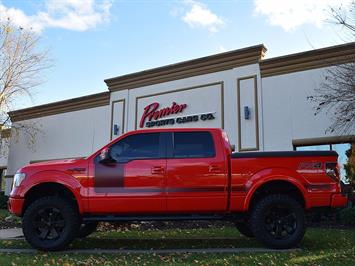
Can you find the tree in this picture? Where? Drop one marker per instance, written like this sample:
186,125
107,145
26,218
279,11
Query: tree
336,94
349,166
22,63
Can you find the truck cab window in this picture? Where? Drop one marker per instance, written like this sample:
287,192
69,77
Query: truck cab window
193,145
139,146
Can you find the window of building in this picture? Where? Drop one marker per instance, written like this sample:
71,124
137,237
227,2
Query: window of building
139,146
193,145
340,148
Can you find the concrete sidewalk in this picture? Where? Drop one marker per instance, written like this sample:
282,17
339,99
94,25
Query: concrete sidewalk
11,233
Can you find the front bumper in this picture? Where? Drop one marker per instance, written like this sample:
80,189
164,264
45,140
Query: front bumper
338,201
15,205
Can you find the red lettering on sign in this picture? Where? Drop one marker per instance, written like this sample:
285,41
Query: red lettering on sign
151,111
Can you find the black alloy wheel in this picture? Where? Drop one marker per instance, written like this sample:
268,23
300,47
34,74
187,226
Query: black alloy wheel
50,223
278,221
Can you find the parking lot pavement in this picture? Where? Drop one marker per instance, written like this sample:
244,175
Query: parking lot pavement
11,233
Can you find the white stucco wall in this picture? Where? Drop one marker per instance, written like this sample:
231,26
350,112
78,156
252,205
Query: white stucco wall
4,150
287,114
205,98
66,135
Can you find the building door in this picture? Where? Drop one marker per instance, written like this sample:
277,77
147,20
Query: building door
117,118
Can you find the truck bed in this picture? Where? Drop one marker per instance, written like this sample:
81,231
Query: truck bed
305,170
282,154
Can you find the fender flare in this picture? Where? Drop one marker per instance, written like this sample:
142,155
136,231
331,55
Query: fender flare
56,177
274,174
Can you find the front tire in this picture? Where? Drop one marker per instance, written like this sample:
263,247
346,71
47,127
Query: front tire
278,221
50,223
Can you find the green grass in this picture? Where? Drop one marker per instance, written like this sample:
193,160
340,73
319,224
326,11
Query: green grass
319,247
3,214
15,221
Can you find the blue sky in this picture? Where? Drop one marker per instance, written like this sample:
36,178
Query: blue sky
92,40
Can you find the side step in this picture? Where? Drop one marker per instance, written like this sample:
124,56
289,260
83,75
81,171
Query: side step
174,217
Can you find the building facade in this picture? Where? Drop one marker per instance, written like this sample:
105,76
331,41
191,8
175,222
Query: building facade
261,103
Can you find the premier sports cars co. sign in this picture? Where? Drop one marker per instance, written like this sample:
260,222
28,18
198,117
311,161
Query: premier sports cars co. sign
155,117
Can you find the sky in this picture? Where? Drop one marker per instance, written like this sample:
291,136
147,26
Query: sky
92,40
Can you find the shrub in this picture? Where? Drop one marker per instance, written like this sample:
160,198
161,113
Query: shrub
3,200
347,216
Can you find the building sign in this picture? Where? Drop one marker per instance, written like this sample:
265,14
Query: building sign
155,117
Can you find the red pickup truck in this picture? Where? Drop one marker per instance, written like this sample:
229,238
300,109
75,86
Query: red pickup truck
175,174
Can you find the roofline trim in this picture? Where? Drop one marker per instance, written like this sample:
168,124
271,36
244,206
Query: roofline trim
318,58
70,105
190,68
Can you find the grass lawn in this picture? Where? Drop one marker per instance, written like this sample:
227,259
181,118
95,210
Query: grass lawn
3,214
14,222
319,247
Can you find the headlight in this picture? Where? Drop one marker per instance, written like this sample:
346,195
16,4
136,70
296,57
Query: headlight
18,178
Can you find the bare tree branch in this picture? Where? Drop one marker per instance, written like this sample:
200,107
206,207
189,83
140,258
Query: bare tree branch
22,63
336,94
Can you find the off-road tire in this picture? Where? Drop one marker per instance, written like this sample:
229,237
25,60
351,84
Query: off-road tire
86,229
290,223
66,226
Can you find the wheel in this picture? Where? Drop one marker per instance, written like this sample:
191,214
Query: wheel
50,223
86,229
244,229
278,221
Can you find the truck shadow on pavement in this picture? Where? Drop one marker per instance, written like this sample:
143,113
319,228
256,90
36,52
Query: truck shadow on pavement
164,243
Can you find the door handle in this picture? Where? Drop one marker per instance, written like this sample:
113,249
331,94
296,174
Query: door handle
158,170
214,169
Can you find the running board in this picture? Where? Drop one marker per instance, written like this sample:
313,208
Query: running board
186,217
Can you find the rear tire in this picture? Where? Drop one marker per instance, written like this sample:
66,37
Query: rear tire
278,221
50,223
244,229
86,229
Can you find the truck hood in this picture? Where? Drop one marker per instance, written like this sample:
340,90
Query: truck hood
59,165
55,162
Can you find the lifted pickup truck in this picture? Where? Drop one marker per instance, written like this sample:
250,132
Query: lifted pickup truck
175,174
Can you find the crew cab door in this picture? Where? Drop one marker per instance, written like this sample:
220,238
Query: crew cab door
134,180
196,173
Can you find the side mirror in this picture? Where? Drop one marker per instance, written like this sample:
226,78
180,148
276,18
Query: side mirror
233,147
106,158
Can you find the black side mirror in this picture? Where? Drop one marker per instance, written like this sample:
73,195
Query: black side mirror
106,158
233,147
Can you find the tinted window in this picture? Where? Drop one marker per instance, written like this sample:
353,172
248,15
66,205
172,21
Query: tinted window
139,146
193,145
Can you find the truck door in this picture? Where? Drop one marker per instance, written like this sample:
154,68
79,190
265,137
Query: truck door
196,173
134,180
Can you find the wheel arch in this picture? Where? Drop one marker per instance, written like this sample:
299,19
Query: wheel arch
51,188
281,184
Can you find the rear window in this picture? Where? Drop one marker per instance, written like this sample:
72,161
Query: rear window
193,145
